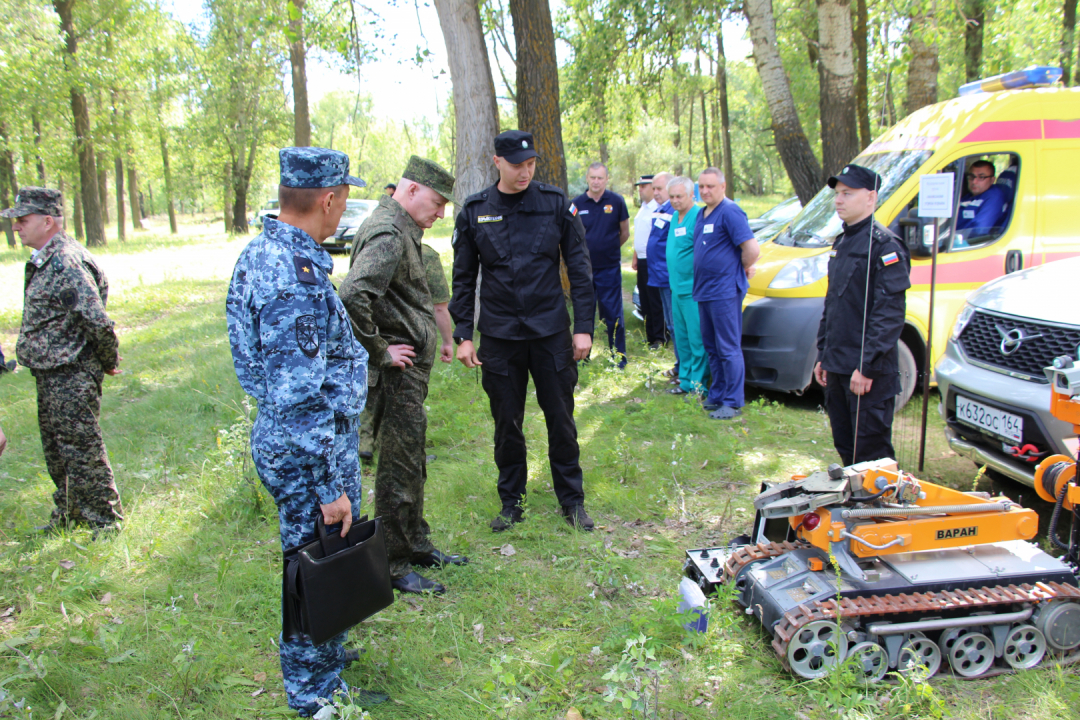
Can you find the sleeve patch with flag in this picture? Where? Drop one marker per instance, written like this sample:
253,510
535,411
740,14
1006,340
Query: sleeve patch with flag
573,209
889,259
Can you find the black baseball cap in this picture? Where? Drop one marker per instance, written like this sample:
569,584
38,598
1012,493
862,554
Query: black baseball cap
645,180
515,146
858,177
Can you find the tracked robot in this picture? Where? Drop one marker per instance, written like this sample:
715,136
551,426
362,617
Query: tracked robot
870,563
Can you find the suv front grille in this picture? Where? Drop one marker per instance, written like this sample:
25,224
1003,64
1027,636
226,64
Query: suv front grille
986,333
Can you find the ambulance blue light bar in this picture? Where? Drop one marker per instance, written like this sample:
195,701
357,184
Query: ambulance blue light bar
1034,76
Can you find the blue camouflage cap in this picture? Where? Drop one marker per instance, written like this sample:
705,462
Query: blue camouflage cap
313,167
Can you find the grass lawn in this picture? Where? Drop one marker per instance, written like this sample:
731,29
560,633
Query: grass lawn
177,617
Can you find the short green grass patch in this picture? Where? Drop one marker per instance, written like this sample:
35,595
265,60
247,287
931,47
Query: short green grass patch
177,617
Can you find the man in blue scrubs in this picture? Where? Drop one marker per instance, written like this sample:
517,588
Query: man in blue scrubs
658,270
607,227
724,255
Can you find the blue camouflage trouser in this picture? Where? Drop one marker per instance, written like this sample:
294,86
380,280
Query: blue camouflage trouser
310,671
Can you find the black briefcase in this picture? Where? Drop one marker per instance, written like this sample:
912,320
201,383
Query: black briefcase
333,583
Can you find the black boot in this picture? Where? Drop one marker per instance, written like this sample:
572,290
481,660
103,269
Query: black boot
416,583
576,516
437,558
507,518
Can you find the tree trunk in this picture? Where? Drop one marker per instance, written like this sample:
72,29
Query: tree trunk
862,69
1068,39
6,196
103,190
173,228
36,123
133,193
298,59
690,141
150,192
704,113
725,116
836,96
705,130
975,11
538,87
242,169
95,227
77,213
601,107
229,198
119,167
678,127
476,117
791,142
923,68
62,187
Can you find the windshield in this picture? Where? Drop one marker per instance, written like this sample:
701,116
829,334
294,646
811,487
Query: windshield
818,224
782,212
355,211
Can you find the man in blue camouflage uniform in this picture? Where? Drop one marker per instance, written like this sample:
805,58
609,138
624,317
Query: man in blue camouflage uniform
294,352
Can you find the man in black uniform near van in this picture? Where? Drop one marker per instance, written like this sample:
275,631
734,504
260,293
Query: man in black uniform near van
858,361
516,231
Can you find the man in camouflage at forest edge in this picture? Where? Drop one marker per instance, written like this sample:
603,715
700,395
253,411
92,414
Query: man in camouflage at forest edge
295,353
69,343
387,295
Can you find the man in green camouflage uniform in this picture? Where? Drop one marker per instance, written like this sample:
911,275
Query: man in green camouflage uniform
440,299
387,296
69,343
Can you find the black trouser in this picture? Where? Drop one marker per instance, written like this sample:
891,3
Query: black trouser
506,368
651,306
875,418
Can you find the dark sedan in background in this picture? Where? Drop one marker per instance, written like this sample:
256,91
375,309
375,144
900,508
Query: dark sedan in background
356,212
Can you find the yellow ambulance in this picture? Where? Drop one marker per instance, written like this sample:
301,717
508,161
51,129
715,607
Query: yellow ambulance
1027,139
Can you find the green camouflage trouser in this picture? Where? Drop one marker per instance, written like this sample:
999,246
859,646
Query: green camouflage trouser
69,402
395,406
367,435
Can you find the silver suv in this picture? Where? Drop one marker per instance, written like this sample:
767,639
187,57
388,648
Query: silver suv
995,396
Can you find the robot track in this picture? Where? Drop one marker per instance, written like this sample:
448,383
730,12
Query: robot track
970,633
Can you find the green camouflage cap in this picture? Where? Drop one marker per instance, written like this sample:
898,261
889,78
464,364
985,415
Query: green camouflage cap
36,201
431,174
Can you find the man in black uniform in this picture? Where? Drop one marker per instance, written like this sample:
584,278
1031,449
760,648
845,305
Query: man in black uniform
858,361
516,231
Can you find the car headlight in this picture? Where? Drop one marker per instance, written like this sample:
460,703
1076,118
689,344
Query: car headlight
962,320
801,271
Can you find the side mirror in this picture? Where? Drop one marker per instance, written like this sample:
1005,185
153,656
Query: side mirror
918,235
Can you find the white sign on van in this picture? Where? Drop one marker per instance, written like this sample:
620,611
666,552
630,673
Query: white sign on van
936,195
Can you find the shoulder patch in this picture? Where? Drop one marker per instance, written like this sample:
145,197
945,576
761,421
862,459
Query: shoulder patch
69,298
889,259
307,335
305,272
573,209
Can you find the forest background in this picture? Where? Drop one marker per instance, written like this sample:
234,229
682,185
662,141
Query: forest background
134,113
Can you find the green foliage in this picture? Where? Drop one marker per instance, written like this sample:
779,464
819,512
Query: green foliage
378,149
634,681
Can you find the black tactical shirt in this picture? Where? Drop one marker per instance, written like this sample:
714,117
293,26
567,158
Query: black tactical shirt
840,335
517,240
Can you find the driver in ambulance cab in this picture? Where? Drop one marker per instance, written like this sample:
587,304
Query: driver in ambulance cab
983,207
